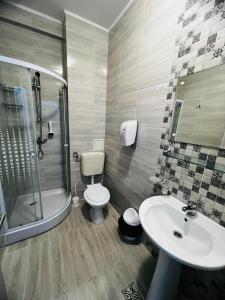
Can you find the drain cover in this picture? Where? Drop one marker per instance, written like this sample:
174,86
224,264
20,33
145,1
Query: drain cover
131,292
177,234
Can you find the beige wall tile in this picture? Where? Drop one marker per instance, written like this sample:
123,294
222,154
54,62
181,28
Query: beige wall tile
139,63
87,52
26,18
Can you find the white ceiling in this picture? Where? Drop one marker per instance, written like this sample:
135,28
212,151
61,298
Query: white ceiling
101,12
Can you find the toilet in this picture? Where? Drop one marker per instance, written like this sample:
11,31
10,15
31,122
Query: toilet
96,195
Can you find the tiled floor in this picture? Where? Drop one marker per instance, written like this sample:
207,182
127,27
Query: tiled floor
76,260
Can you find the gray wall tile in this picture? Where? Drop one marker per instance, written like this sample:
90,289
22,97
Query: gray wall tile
87,54
139,62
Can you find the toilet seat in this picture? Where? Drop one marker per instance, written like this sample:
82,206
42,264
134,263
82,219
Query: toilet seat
96,195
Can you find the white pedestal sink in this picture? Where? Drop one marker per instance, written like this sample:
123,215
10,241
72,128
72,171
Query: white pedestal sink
198,242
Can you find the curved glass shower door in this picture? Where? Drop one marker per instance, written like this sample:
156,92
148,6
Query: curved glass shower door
18,155
51,129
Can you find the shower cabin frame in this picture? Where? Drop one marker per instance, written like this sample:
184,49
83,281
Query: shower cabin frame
16,234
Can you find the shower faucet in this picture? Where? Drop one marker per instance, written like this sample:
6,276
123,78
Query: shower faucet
37,95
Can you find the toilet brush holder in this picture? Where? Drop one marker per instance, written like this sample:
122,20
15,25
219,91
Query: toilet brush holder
130,228
75,201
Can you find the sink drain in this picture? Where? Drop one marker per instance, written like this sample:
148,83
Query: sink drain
177,234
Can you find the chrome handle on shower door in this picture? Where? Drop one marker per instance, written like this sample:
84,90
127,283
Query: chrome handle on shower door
2,218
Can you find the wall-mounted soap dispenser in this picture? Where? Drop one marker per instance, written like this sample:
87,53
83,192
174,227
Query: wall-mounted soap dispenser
128,131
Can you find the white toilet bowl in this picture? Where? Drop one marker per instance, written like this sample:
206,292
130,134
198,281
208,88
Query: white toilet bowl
97,196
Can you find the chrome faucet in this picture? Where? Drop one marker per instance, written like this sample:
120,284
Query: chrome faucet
190,206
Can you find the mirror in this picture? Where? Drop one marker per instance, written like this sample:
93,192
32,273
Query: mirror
199,109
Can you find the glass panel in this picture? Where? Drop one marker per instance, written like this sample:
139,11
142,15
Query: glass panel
2,219
65,138
49,124
18,159
50,165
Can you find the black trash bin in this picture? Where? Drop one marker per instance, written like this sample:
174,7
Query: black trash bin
130,229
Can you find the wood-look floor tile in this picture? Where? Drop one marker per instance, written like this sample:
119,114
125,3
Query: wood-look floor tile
73,221
62,265
92,290
61,297
127,270
14,270
81,216
39,238
79,260
111,239
38,279
16,246
107,284
112,252
112,213
86,254
114,279
142,266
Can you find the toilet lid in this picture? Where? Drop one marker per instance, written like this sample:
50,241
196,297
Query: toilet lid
97,193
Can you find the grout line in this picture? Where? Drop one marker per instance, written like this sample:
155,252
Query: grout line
121,14
85,20
49,243
25,282
16,250
3,258
31,28
33,11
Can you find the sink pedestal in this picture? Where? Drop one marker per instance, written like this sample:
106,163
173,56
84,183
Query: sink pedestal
165,280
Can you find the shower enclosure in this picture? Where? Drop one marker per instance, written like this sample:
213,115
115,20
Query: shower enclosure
34,149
